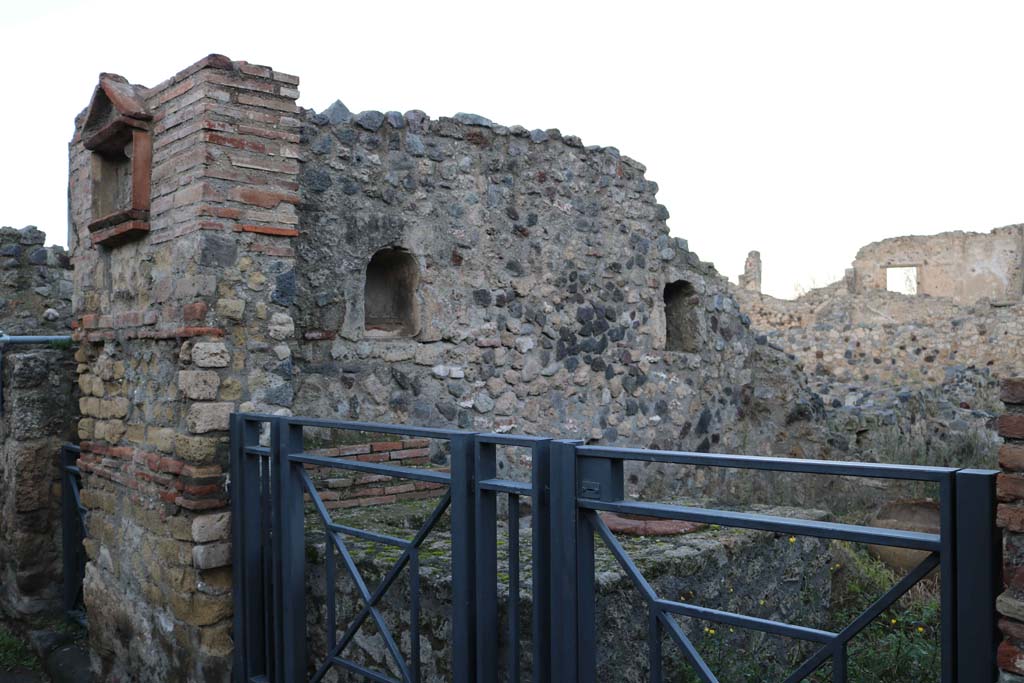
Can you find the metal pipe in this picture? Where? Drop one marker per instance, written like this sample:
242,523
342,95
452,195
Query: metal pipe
29,339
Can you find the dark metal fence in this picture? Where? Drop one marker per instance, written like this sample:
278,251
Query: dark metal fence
73,531
570,484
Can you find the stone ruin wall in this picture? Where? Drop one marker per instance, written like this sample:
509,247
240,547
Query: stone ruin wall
886,338
966,315
964,266
911,377
542,268
542,273
36,417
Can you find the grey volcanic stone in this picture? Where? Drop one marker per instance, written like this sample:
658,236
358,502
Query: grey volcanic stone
473,120
337,113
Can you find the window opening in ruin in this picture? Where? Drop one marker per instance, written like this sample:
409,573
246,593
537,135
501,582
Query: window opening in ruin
389,303
901,279
681,322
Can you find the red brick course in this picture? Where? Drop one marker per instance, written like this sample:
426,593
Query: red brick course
346,489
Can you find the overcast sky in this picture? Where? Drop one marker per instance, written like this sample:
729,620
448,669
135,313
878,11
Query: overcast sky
803,129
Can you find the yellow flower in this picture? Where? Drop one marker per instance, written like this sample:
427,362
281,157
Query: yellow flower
920,629
762,602
792,539
711,631
892,621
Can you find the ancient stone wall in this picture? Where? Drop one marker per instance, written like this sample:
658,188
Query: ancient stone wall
964,266
180,323
1010,490
549,297
37,409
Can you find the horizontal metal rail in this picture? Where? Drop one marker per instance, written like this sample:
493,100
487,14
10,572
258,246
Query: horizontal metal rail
519,488
372,468
372,427
755,462
783,525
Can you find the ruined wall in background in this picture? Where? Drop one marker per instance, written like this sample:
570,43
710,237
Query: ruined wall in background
887,338
908,379
178,324
964,266
551,299
37,415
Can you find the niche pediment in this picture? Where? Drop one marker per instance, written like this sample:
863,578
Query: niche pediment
117,130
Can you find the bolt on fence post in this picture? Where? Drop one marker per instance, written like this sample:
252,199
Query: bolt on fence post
463,558
289,543
979,562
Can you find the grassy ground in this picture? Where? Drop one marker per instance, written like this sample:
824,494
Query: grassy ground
901,646
15,653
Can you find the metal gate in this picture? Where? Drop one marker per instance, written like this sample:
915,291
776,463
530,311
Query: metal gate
73,532
571,483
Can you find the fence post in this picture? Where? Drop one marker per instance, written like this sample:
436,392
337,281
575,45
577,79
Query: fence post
239,579
486,529
290,551
978,572
541,502
72,531
463,484
247,589
565,528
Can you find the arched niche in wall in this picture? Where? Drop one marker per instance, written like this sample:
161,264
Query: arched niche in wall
681,320
390,301
117,132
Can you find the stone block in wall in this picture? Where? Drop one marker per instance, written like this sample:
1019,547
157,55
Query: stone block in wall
199,385
210,355
212,555
209,528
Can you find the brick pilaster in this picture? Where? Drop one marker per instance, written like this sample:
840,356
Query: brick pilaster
178,327
1010,514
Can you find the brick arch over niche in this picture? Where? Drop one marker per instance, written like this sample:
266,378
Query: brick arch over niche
117,131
